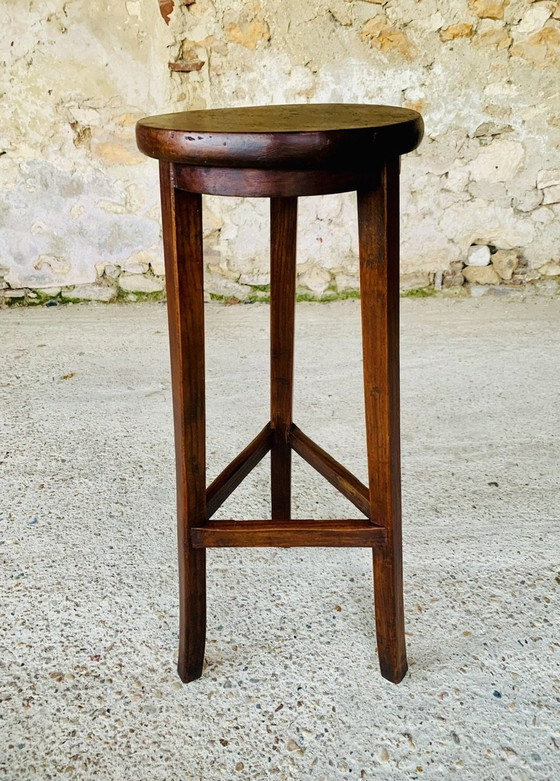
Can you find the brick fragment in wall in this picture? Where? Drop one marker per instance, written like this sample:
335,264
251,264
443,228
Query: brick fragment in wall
184,66
166,9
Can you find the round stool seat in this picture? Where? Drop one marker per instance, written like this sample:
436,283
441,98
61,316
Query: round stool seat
306,149
301,136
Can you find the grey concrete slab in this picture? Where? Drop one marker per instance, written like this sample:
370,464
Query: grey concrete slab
291,688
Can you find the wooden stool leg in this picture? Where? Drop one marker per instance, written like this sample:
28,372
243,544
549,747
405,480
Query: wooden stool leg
283,229
184,273
378,220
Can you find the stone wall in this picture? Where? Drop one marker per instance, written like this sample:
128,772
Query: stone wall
80,211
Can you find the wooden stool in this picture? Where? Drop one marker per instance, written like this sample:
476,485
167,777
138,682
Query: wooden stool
282,152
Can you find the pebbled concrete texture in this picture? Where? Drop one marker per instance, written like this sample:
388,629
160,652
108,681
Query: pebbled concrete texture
291,688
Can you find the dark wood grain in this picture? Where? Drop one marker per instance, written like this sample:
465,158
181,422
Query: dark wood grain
285,137
184,271
378,221
343,480
287,534
283,239
272,183
228,480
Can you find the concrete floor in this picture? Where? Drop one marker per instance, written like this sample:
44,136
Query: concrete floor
291,688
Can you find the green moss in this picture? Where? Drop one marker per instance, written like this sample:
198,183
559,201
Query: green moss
419,292
344,295
258,294
259,298
38,300
328,295
123,296
225,299
15,302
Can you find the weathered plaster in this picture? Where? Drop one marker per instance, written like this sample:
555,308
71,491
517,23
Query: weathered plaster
79,199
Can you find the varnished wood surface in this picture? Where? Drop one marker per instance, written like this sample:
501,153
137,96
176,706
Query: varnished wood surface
283,239
228,480
271,182
303,136
337,475
283,152
378,223
182,231
287,534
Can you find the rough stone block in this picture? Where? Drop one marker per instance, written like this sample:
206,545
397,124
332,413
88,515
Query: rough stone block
415,280
158,268
462,30
551,195
248,33
478,255
453,280
548,178
14,293
344,282
498,162
226,288
53,292
137,263
316,279
541,48
481,275
137,283
381,34
112,271
504,263
534,19
493,39
488,9
546,286
529,200
550,269
91,293
255,278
